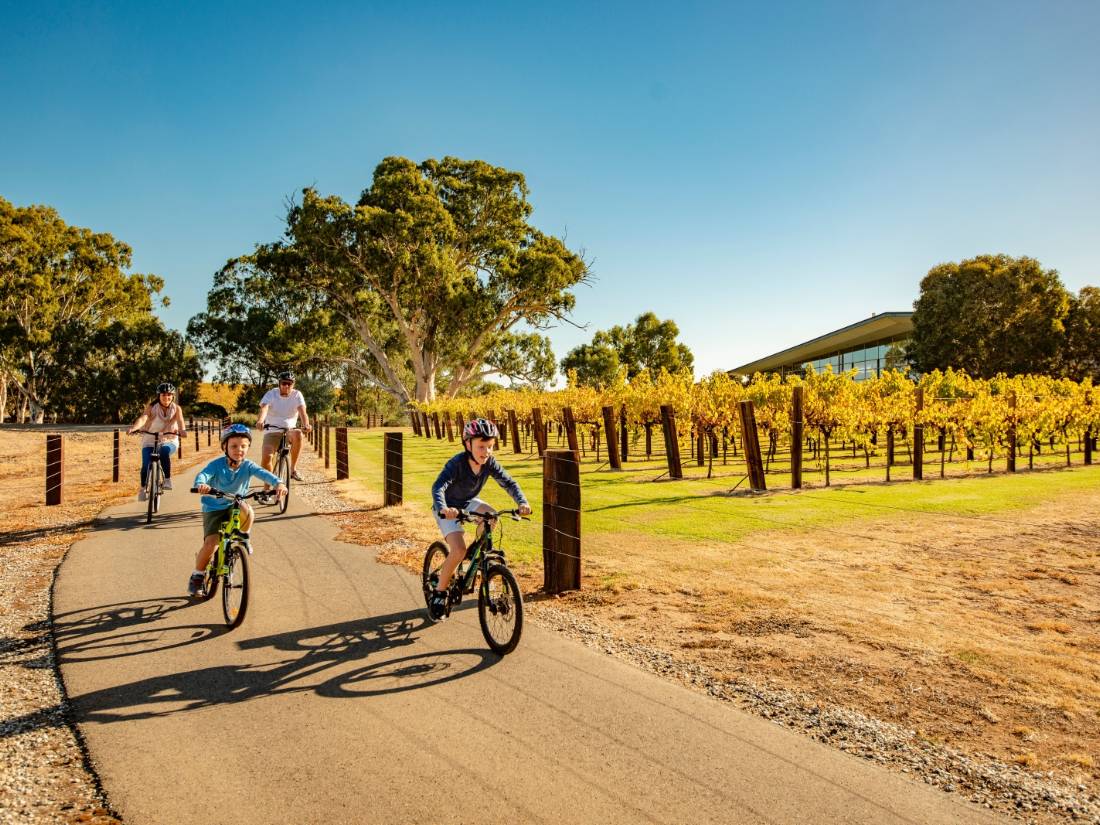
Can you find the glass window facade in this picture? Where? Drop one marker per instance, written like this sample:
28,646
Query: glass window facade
869,361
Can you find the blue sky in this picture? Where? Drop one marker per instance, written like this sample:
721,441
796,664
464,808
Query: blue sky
759,173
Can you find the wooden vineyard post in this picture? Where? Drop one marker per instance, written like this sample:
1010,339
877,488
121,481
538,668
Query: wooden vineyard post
672,443
415,422
539,431
611,438
513,425
342,453
918,438
392,477
1010,462
450,428
55,468
571,431
460,424
438,427
561,521
425,425
114,472
622,433
751,441
797,426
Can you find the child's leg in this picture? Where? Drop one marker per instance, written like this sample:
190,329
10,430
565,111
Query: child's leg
209,544
456,552
246,517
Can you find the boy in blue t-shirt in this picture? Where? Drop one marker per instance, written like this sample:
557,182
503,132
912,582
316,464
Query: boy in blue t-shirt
230,474
456,488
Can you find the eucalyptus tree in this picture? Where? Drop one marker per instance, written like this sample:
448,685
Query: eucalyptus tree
435,272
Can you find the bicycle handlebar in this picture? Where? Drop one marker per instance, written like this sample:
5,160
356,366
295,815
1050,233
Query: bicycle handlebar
468,515
216,493
150,432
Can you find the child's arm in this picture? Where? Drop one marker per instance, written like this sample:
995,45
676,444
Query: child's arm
443,481
510,485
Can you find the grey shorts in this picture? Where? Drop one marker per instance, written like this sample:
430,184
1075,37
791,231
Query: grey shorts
212,521
453,525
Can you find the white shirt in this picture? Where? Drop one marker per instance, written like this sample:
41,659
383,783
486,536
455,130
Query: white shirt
282,411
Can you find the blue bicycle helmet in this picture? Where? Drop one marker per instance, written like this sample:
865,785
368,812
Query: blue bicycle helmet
235,429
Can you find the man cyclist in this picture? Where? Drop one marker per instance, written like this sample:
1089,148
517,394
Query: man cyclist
282,406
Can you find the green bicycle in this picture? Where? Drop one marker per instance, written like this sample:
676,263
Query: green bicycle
499,600
229,564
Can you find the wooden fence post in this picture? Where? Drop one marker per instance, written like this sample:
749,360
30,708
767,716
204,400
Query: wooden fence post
571,431
918,438
55,468
561,521
392,480
513,425
672,444
750,439
114,473
611,438
1010,463
209,431
328,444
622,433
196,441
797,426
540,431
342,453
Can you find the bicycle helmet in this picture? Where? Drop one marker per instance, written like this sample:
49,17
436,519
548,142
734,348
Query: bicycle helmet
286,375
166,386
235,429
480,428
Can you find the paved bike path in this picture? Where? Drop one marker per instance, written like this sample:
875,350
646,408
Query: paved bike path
336,702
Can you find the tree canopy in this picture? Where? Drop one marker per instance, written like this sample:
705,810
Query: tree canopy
435,278
647,344
72,319
990,314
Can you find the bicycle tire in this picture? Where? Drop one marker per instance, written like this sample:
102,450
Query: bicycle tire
235,586
434,557
282,470
500,609
151,484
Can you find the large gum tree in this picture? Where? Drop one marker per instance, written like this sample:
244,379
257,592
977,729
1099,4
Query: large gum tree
436,271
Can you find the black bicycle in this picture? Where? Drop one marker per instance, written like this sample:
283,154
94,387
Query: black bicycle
282,470
154,486
229,564
499,601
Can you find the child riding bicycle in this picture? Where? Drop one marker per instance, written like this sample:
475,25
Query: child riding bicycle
456,488
230,473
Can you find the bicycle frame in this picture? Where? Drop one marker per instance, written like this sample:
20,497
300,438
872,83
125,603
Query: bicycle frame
480,553
231,526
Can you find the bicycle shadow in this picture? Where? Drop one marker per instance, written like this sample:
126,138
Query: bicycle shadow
316,654
95,633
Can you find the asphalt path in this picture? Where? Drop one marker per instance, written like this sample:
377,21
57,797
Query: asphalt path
335,701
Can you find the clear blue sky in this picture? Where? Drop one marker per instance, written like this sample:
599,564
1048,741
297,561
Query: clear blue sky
760,173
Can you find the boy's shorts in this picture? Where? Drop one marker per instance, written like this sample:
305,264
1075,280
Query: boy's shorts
453,525
212,521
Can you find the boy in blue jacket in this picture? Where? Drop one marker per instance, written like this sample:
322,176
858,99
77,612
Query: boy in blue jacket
456,489
230,473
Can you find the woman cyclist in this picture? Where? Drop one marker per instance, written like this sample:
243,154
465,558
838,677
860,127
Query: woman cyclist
163,415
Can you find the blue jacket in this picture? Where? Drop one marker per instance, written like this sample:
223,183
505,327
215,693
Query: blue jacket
457,485
220,476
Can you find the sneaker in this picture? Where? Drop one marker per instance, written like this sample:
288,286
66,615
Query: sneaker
142,495
194,585
437,605
167,485
294,475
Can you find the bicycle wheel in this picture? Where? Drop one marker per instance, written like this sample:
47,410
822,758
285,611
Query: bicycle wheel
152,484
235,587
434,557
500,609
282,470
